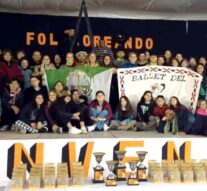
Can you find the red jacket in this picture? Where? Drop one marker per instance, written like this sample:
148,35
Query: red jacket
160,111
7,73
106,106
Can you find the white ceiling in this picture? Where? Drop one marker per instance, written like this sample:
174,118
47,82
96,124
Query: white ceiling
135,9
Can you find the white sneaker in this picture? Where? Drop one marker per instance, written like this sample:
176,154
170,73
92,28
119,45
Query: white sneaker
74,131
105,127
91,128
84,130
59,130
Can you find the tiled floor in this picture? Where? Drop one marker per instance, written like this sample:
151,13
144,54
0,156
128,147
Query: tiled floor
10,135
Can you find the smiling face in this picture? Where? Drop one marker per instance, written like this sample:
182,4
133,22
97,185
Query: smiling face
100,97
148,97
14,86
200,69
36,56
107,60
173,102
174,63
52,96
75,95
59,87
69,58
20,55
57,59
39,100
92,58
132,58
46,60
203,104
123,102
24,64
7,56
67,99
168,54
160,102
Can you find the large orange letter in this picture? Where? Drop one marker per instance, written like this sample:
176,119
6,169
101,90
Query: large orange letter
169,151
41,39
52,41
18,154
29,37
69,156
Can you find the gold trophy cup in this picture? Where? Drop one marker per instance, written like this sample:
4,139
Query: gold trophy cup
111,178
141,169
121,168
133,179
98,170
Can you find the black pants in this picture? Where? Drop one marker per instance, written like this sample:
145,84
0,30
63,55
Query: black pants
200,125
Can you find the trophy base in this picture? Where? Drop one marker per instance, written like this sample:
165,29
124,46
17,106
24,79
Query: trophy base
133,182
98,176
142,174
111,182
97,181
143,180
121,179
121,173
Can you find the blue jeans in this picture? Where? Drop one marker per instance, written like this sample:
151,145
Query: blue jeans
102,114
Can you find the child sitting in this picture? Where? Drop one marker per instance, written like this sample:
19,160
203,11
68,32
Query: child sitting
124,116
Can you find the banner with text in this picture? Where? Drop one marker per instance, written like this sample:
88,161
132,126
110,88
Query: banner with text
167,81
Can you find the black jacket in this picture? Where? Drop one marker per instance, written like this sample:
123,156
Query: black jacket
32,114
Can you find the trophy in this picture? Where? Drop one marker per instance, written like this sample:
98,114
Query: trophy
111,178
133,180
98,170
141,169
121,168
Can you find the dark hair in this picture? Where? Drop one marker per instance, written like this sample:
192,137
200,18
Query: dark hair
160,96
59,82
73,91
129,109
84,98
5,51
43,103
142,100
175,60
199,64
184,60
178,102
20,50
203,83
110,64
23,58
38,78
100,91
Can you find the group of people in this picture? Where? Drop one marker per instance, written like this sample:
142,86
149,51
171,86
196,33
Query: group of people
27,106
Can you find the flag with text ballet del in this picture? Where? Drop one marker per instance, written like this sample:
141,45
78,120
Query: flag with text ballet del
167,81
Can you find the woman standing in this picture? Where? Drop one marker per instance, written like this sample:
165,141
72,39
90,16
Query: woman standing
200,69
8,69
